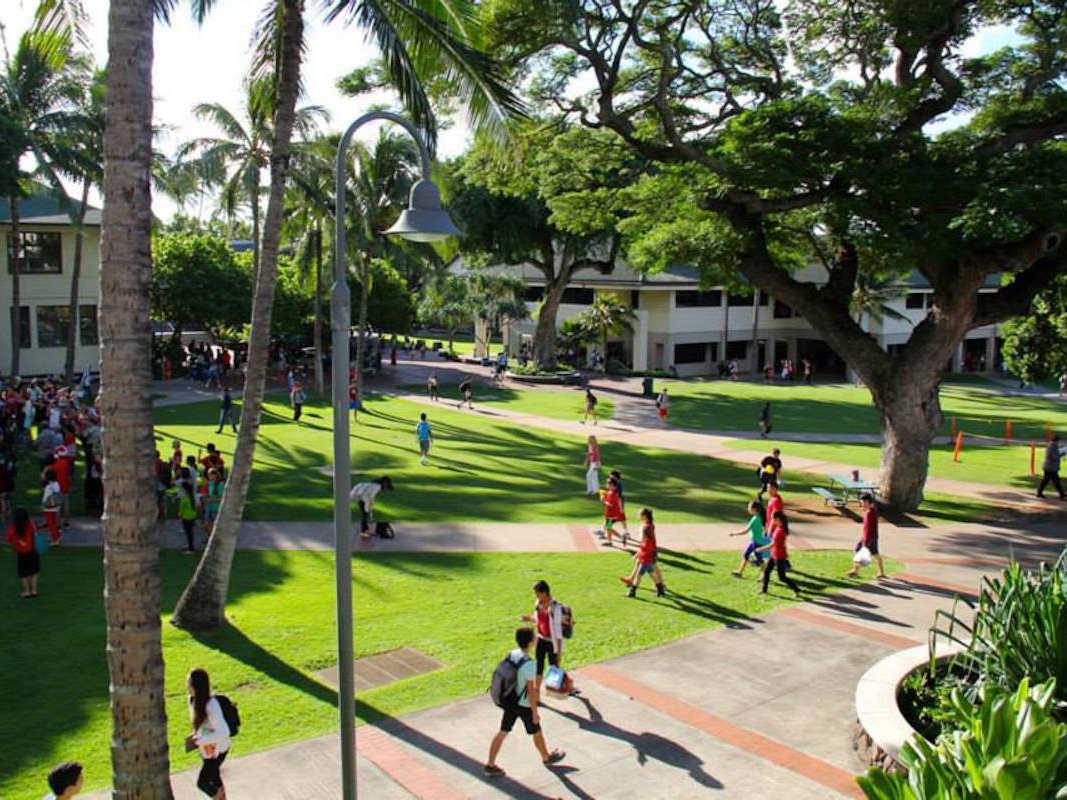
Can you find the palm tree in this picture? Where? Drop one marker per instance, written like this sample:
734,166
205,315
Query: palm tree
417,39
872,296
242,151
132,585
607,315
38,88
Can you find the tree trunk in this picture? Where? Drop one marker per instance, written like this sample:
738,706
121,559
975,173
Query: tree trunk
203,603
253,189
16,297
132,582
75,278
319,380
911,417
544,343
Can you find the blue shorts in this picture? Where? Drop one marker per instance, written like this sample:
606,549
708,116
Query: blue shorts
751,551
646,569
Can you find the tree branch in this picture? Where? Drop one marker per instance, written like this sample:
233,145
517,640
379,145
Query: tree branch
1015,298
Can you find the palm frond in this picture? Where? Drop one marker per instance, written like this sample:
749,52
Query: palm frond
66,18
224,119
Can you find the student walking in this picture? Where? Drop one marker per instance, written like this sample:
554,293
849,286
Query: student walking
431,385
466,393
770,471
1051,467
661,405
779,550
869,537
757,538
187,511
548,618
765,420
226,411
622,502
353,400
211,734
364,495
774,505
521,703
65,781
298,397
51,501
612,510
21,535
590,406
424,435
212,499
592,466
645,559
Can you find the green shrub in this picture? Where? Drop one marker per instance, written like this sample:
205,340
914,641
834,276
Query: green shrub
530,368
1019,631
1009,745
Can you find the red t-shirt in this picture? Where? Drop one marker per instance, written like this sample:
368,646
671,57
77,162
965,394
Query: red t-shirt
62,468
544,625
870,526
646,554
23,544
779,549
613,506
776,503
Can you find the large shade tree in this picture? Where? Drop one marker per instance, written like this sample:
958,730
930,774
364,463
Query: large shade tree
416,38
866,126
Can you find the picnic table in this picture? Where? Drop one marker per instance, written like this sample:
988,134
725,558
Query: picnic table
852,489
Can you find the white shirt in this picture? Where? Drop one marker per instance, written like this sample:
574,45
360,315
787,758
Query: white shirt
365,492
213,736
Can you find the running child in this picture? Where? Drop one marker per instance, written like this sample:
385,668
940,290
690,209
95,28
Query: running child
779,550
590,406
645,561
612,510
757,538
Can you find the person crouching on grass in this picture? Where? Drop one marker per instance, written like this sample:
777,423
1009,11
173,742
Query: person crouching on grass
645,561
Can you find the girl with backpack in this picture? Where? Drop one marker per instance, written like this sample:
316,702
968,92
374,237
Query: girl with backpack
779,551
211,734
51,501
21,536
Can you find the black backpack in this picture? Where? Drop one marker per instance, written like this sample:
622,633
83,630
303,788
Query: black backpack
504,688
229,713
384,530
566,621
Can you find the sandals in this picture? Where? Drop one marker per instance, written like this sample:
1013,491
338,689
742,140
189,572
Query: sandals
554,758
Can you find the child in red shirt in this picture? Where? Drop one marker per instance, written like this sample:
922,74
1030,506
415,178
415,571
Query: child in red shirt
779,550
612,509
645,560
21,535
869,537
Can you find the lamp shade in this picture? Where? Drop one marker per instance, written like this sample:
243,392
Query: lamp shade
424,220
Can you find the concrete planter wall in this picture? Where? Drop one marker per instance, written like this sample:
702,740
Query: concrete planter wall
881,728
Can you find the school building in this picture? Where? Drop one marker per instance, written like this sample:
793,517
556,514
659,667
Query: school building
46,243
678,323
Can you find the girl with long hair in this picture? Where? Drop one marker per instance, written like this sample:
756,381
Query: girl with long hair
211,735
20,535
779,550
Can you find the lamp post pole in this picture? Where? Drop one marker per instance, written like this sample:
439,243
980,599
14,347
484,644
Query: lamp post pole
423,198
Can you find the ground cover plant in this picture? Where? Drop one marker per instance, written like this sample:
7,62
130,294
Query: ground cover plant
552,402
845,408
480,469
281,630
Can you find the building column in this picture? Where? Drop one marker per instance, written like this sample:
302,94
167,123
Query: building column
640,341
991,353
957,359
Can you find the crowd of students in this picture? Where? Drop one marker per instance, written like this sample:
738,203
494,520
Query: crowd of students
193,484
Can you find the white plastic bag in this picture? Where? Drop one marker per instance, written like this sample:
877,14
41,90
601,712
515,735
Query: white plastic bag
862,557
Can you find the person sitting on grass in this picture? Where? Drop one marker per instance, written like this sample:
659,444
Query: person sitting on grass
645,561
757,538
65,781
869,539
364,494
525,707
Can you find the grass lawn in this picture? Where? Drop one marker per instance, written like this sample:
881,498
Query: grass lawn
998,465
480,469
556,403
282,630
845,408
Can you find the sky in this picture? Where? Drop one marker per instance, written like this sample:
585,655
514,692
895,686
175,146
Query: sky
206,64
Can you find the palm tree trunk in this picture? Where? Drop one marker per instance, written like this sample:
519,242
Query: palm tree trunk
253,188
75,277
319,380
203,603
16,297
132,583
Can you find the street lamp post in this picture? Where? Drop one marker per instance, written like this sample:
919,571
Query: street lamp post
423,221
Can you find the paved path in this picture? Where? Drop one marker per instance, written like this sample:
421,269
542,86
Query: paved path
758,708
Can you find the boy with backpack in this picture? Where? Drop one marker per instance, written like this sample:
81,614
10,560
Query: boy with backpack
514,689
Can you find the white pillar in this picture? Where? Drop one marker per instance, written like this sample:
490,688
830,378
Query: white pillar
640,341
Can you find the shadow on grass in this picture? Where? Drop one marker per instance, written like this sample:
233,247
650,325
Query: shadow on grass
700,607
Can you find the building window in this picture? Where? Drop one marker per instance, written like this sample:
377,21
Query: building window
578,297
764,298
782,311
635,298
24,326
915,301
533,294
739,300
694,353
736,350
52,322
712,298
40,253
87,326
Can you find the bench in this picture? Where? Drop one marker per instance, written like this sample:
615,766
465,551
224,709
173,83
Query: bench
829,498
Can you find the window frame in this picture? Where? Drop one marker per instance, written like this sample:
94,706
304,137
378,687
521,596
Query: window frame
62,326
42,258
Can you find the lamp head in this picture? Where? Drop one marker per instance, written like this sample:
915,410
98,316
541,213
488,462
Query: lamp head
424,220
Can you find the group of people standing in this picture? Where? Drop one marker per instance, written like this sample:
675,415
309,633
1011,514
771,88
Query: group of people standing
196,484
